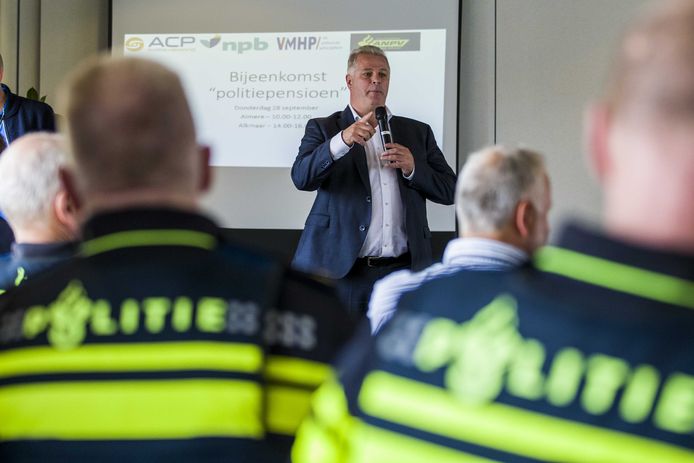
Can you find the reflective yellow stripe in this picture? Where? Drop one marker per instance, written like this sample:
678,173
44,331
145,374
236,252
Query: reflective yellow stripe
315,443
371,444
330,405
166,356
322,436
21,275
286,408
131,410
506,428
618,277
296,370
128,239
332,435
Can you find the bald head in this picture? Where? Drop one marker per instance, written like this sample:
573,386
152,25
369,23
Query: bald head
130,130
642,136
654,67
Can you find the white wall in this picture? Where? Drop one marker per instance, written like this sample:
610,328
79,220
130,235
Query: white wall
19,39
553,58
41,40
529,69
70,31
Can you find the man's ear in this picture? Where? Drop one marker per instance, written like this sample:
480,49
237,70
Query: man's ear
597,130
205,169
65,210
348,81
524,218
69,186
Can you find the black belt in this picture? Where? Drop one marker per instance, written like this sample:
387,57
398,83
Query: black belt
372,261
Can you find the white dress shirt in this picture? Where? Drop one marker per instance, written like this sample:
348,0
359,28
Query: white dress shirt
386,236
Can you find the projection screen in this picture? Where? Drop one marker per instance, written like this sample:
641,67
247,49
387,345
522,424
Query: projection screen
256,70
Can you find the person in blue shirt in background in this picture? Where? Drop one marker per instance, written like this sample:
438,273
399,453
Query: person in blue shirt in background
18,116
502,201
21,115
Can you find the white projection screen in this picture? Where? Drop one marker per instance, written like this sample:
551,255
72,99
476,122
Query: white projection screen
256,70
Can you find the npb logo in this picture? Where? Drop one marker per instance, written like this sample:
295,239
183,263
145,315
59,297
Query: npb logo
134,44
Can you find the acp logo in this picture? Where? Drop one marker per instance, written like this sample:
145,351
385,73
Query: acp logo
172,41
134,44
213,42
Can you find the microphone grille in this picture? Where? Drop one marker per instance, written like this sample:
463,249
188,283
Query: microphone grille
381,112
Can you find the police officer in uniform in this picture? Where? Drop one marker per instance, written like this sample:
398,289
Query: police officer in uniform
41,213
587,356
161,342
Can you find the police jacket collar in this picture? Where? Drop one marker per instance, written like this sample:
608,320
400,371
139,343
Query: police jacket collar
139,227
62,249
591,257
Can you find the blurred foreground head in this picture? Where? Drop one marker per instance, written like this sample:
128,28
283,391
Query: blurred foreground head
132,136
641,136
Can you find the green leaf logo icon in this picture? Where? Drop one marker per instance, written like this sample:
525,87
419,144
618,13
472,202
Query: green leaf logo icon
212,42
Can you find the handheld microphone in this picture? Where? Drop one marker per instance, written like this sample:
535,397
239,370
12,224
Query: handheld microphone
384,126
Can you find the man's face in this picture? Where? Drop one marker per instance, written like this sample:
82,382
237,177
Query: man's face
368,83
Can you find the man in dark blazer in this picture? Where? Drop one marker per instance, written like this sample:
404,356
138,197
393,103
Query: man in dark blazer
369,217
19,116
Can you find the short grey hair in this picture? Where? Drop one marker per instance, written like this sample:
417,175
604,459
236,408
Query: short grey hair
492,182
365,50
30,181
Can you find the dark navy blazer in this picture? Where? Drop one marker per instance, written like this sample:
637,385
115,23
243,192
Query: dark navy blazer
23,115
336,227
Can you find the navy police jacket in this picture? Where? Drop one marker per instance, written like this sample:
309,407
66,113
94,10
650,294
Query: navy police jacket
587,357
161,343
29,259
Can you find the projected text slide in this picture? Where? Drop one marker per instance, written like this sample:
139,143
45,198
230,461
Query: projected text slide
251,94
